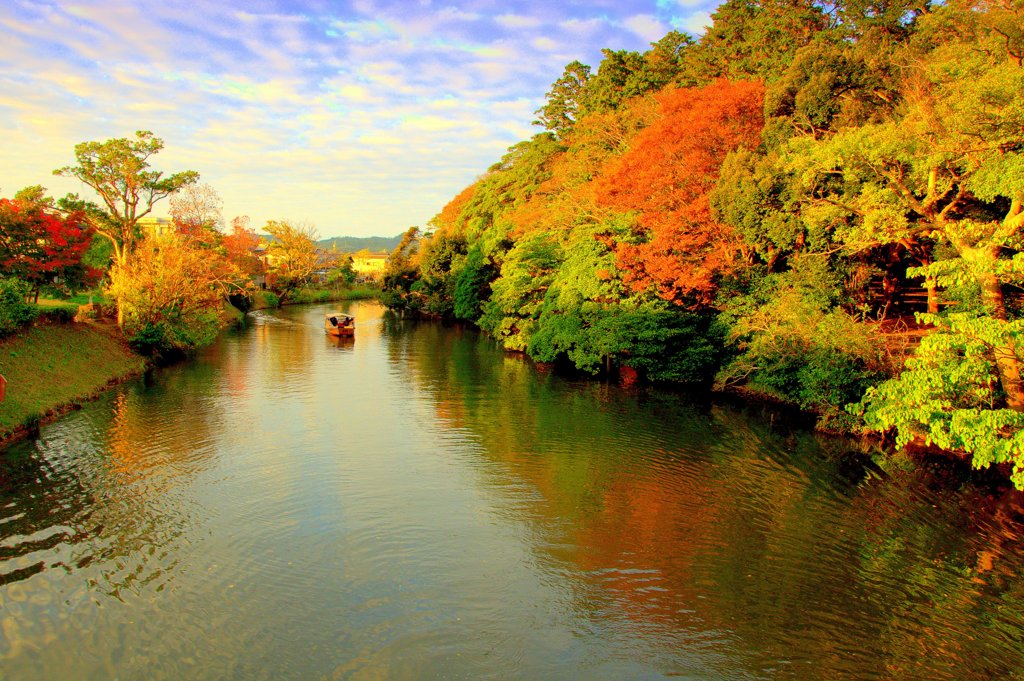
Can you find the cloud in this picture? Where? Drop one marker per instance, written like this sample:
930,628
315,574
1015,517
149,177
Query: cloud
517,21
694,24
366,117
646,26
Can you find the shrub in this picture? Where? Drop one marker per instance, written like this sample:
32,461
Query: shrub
793,347
263,300
60,314
169,340
14,311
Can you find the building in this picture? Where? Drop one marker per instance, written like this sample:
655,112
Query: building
369,266
155,226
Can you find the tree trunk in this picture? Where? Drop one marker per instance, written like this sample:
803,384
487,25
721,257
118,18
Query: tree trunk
933,295
1005,352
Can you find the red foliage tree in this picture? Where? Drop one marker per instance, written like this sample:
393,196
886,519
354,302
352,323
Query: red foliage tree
665,179
40,246
241,244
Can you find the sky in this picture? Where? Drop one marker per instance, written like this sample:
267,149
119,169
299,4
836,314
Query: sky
362,118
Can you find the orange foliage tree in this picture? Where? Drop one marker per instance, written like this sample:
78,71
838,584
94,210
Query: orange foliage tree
451,219
240,245
665,179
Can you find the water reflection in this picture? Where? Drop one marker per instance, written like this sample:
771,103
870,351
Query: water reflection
700,524
415,503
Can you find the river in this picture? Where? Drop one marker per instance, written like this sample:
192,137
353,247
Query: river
416,504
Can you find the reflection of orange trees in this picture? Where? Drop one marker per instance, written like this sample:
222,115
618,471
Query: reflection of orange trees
732,529
123,436
165,431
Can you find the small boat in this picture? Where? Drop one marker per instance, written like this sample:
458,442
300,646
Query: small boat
338,324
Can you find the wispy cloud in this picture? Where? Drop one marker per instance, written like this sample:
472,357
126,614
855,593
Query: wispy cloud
363,117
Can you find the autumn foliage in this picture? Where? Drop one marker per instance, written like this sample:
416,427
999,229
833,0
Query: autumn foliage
665,179
39,245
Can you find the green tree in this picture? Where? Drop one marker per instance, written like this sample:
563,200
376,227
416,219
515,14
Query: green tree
561,109
758,38
472,285
950,394
118,170
518,293
441,258
621,75
15,312
401,272
949,168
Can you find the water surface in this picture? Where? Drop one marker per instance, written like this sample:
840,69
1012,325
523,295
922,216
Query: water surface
417,504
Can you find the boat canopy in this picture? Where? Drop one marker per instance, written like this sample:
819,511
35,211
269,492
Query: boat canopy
339,319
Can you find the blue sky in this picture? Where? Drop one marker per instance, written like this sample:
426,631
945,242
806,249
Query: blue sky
361,117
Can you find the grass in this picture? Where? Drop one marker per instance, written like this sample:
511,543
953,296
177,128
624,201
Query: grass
266,299
313,295
50,367
76,300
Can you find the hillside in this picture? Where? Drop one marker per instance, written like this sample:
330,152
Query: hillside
353,244
759,209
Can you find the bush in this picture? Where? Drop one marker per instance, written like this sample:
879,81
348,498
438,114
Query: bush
166,340
14,311
662,343
60,314
800,349
266,299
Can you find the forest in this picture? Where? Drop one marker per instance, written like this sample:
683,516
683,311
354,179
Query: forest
820,203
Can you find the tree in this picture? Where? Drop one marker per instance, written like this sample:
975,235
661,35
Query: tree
758,38
14,311
949,168
196,211
472,285
40,246
401,271
949,395
293,259
171,292
620,76
518,294
241,244
441,257
118,171
666,178
562,109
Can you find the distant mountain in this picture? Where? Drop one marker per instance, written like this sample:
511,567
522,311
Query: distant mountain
354,244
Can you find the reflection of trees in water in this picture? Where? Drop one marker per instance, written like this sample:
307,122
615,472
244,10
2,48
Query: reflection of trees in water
101,493
42,506
706,522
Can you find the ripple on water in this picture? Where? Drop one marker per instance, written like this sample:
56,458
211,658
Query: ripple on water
418,505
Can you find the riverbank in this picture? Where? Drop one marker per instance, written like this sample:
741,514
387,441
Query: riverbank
264,300
52,368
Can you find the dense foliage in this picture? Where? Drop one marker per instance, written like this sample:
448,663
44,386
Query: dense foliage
40,246
171,292
768,207
15,312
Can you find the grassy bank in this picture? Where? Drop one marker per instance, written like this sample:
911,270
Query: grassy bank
265,299
50,368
